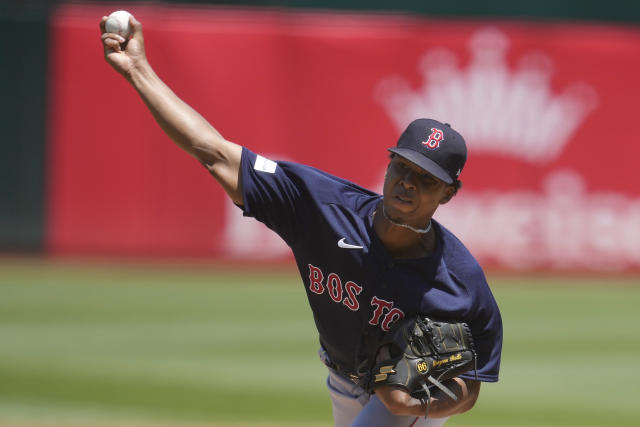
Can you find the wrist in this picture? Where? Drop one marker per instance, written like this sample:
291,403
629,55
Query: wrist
139,72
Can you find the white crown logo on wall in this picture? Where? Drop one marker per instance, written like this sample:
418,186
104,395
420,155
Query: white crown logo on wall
497,110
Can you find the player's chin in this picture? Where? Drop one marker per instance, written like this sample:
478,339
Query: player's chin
400,215
400,206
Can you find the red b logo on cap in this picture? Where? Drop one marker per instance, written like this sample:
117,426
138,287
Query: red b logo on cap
434,139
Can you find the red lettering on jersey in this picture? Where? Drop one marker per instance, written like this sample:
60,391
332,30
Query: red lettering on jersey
352,290
315,280
393,315
380,305
434,139
335,287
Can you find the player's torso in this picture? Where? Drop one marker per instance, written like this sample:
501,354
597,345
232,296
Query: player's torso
356,291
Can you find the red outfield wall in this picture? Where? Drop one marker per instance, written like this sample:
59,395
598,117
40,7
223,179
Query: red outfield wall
549,112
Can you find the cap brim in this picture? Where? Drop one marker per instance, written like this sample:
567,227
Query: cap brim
423,162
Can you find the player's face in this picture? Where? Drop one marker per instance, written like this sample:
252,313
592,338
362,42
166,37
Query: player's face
411,194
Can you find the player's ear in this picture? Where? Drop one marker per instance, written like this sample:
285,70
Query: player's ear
448,195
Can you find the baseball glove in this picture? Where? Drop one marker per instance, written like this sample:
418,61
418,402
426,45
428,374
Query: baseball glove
418,351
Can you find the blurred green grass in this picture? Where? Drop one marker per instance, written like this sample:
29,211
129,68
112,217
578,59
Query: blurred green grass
92,342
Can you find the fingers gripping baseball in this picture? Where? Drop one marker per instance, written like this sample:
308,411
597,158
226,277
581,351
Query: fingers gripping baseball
121,53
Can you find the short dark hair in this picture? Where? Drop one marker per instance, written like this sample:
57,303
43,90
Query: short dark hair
457,185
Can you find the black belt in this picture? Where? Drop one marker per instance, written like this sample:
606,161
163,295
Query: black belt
345,372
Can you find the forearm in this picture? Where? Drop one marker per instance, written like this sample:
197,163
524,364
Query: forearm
399,402
185,126
188,129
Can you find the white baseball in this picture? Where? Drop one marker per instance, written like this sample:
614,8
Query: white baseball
118,22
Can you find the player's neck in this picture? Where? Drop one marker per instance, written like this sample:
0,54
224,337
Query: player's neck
402,242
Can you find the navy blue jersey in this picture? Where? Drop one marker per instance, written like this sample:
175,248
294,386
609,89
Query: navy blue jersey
356,290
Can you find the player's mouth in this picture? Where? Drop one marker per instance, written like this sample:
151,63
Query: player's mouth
402,196
402,200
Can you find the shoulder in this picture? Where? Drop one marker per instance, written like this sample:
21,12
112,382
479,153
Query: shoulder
462,268
457,257
316,183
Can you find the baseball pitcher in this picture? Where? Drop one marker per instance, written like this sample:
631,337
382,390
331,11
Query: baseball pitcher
407,323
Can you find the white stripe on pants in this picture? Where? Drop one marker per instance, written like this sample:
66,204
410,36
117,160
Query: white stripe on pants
354,407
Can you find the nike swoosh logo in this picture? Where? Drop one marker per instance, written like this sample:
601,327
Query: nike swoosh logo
343,245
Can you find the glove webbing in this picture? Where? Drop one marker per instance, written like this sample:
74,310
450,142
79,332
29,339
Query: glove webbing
444,388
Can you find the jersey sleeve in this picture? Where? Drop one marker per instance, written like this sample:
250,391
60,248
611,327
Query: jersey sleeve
288,197
487,335
486,328
269,194
472,302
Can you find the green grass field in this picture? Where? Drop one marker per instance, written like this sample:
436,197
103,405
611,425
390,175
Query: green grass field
98,344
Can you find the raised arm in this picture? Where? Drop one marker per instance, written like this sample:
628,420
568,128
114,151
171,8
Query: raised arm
188,129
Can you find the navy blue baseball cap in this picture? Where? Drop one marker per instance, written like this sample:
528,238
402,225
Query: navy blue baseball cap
435,147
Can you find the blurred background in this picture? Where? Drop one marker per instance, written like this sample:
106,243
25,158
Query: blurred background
132,292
